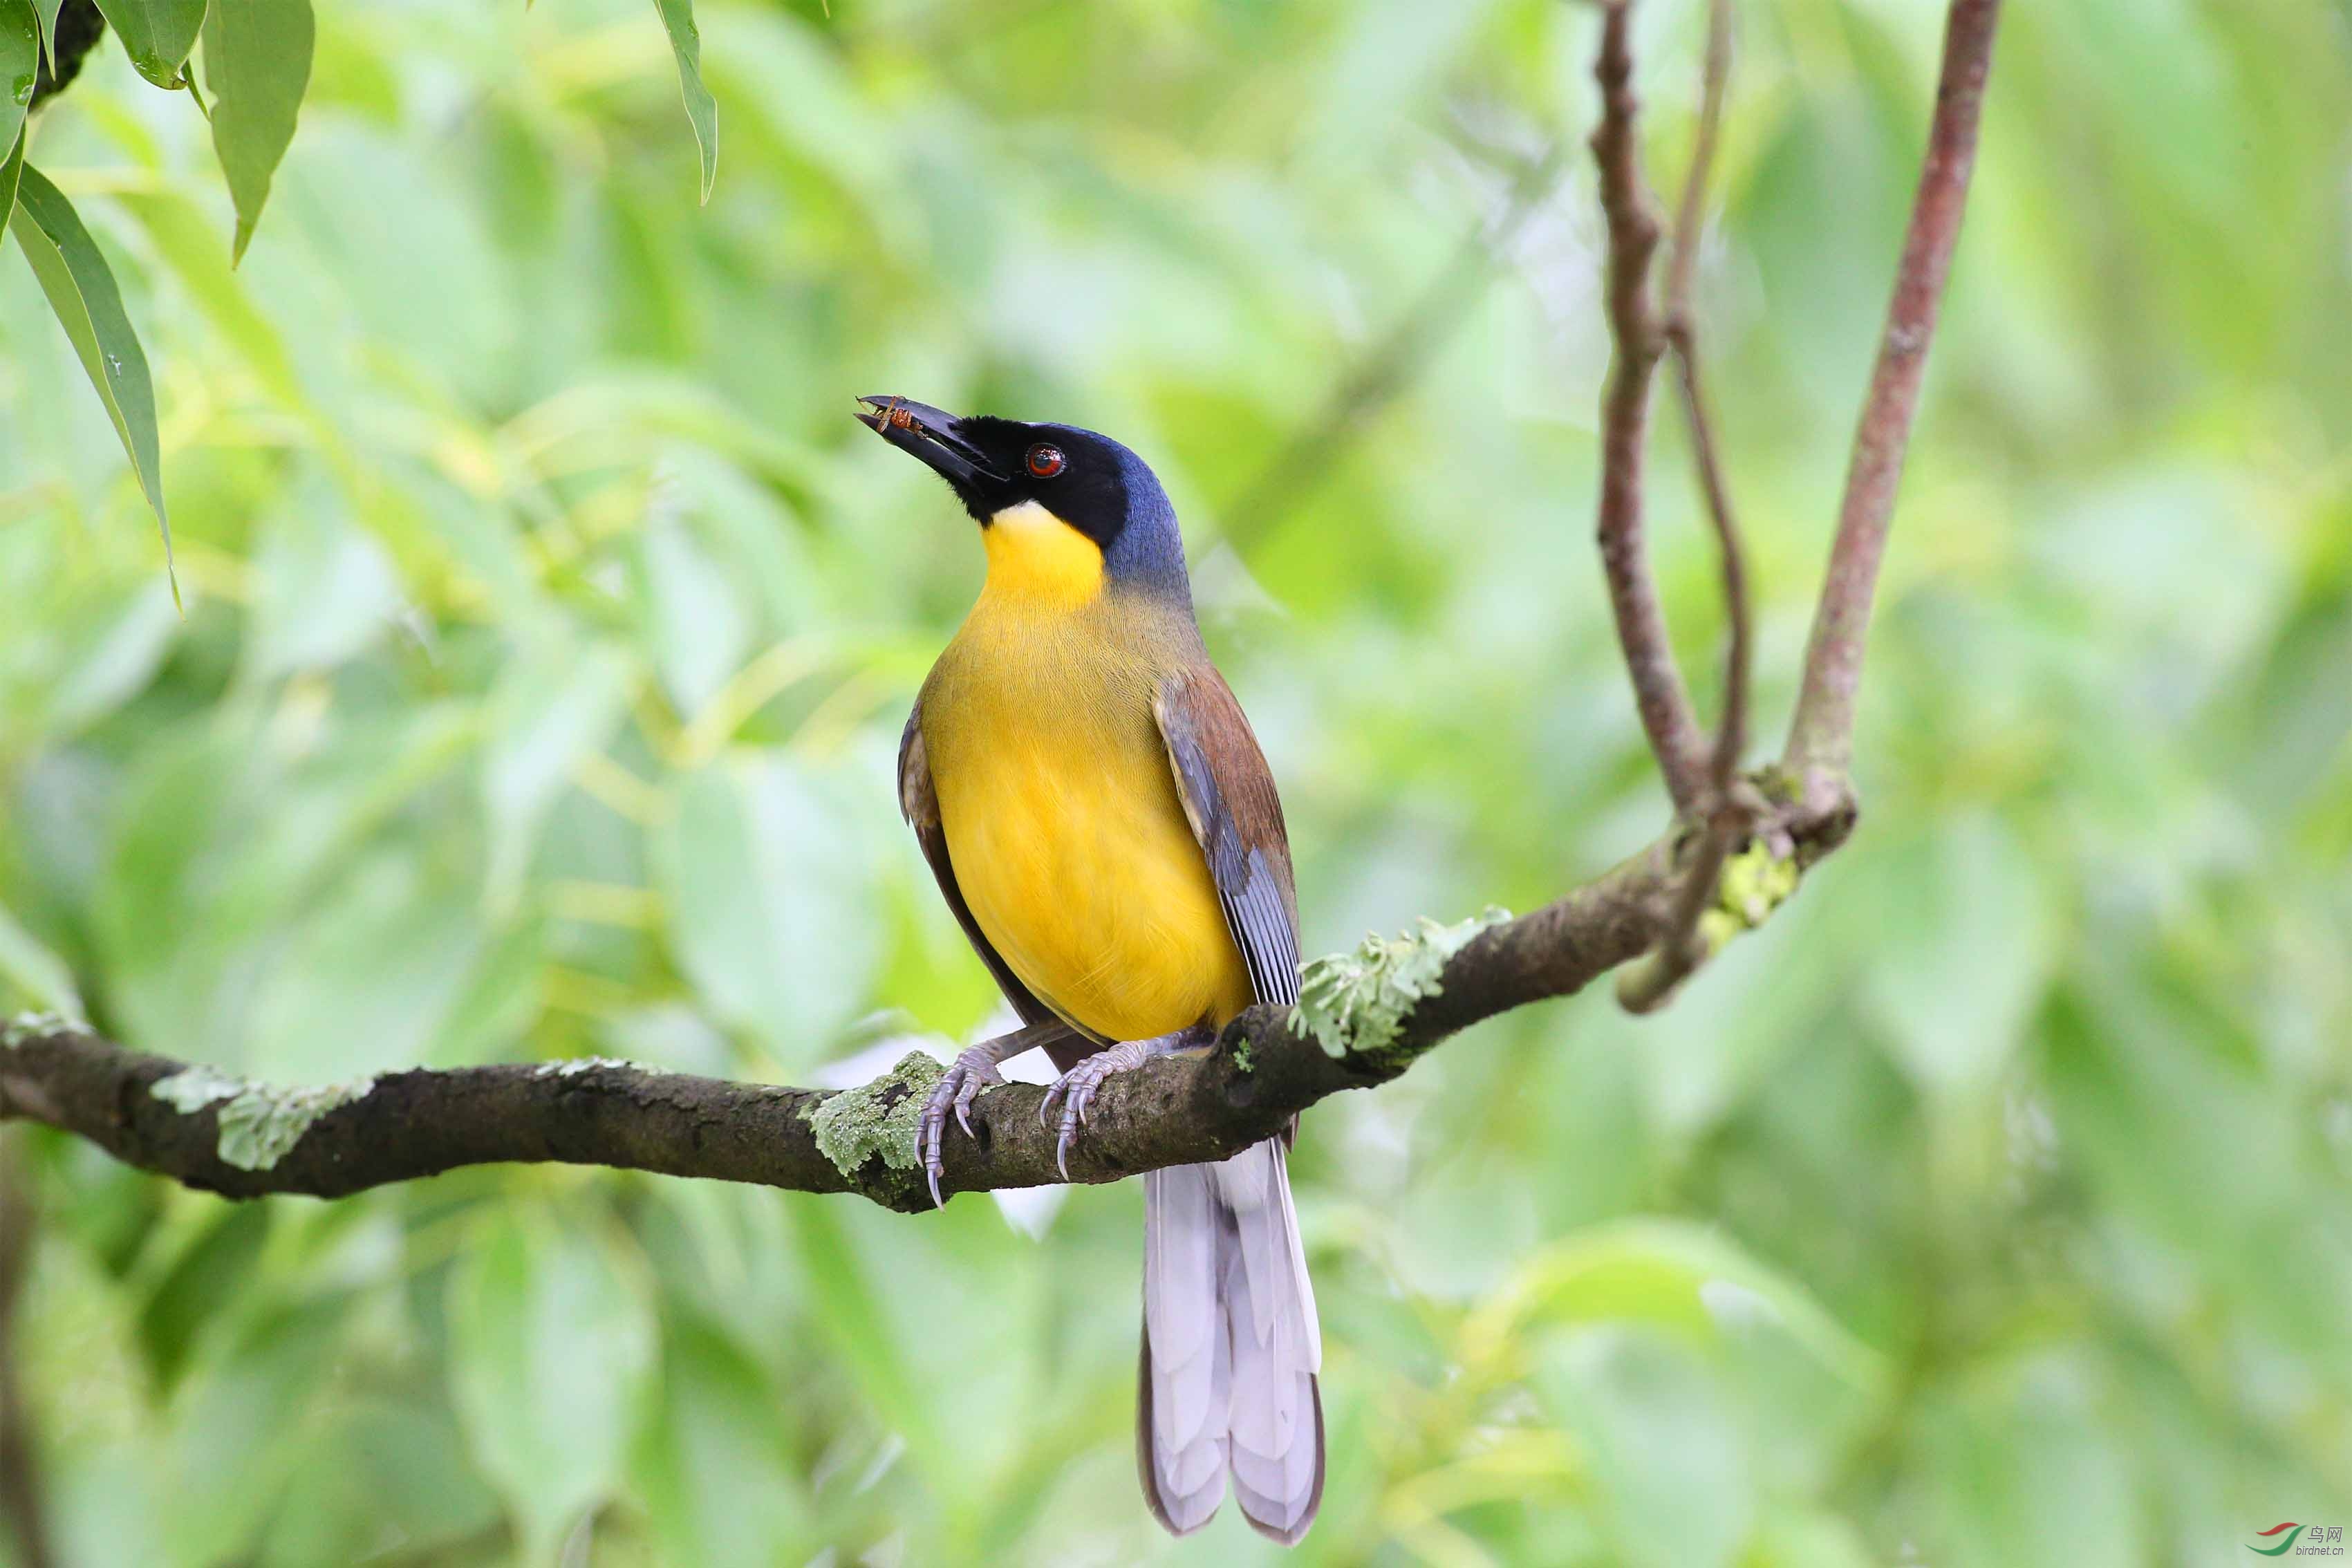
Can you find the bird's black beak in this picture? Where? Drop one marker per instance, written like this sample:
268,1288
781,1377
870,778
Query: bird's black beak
930,434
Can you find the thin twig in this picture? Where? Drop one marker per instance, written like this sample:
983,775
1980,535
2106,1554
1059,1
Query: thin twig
1714,87
1821,738
1638,339
1727,812
1732,810
1348,409
1731,736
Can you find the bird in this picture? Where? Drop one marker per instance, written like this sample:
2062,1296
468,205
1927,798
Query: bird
1104,825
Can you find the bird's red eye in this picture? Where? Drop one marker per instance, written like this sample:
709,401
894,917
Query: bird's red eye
1046,461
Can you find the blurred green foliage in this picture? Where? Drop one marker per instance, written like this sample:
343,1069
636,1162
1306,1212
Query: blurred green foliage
550,626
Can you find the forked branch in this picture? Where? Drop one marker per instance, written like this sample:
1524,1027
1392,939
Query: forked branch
1818,755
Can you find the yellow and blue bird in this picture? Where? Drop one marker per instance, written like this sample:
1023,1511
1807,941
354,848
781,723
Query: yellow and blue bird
1105,830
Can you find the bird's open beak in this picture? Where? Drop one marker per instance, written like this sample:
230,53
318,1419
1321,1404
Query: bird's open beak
930,434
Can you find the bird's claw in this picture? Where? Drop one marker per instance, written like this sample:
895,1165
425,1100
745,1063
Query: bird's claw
1075,1089
973,1070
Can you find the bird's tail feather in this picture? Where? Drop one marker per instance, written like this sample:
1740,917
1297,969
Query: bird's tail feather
1231,1349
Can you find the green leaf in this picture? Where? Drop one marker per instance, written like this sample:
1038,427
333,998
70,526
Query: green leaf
555,706
257,63
323,588
1669,1275
715,1469
551,1342
697,621
849,1311
157,34
213,822
370,972
204,1284
769,888
46,11
114,652
383,1470
686,42
11,172
183,238
81,287
1963,946
1656,1426
246,1416
20,67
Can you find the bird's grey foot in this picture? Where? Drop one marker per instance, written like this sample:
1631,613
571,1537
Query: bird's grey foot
973,1069
1075,1090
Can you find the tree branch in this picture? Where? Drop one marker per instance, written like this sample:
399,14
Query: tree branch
1638,340
1728,814
243,1139
1821,737
1816,766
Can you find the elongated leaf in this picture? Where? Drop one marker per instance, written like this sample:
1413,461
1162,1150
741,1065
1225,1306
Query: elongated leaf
1670,1275
257,63
81,287
157,34
685,43
20,65
47,11
10,172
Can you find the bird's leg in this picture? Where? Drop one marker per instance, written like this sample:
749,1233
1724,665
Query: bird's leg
973,1069
1076,1088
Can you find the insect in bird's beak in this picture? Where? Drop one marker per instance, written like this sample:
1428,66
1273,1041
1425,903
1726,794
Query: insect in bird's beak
931,435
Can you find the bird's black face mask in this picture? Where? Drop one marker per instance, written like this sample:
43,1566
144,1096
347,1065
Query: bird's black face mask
994,465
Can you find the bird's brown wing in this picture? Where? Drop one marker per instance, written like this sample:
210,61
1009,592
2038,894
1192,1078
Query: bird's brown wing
920,805
1229,798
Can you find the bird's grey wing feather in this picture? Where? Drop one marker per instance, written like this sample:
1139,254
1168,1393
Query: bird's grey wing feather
1230,800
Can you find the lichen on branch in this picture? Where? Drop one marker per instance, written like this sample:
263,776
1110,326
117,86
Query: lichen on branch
1355,1003
880,1117
259,1123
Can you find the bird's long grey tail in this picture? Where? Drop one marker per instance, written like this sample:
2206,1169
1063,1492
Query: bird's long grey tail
1231,1348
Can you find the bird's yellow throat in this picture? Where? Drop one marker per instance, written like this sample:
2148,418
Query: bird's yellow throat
1035,555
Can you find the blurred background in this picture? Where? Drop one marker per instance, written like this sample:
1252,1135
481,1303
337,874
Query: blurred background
550,625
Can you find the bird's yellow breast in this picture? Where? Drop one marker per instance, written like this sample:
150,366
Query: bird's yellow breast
1061,813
